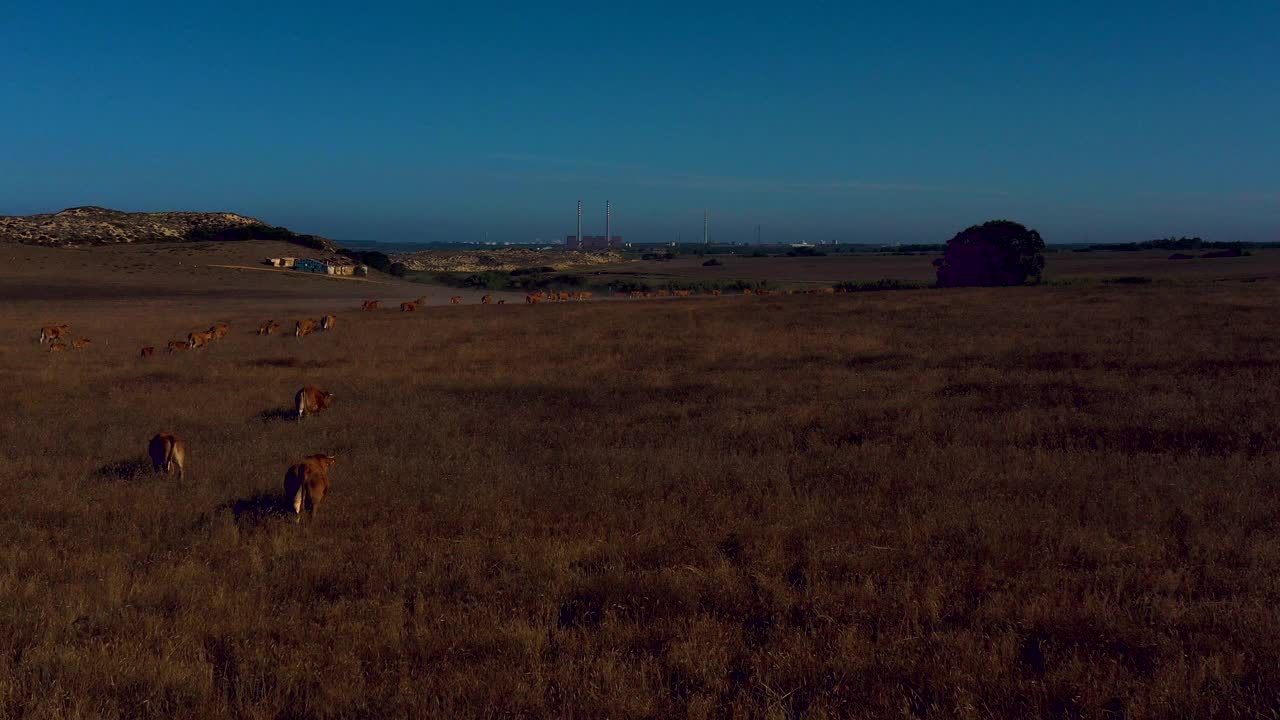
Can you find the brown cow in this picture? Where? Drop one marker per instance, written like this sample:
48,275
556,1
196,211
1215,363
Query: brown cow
456,300
312,400
306,483
716,292
81,344
408,307
268,327
167,451
369,305
533,299
57,347
176,345
328,322
219,330
199,339
304,327
148,352
53,332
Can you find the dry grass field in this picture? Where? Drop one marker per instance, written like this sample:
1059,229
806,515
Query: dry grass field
1033,502
866,267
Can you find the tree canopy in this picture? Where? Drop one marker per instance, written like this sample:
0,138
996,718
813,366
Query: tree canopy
997,252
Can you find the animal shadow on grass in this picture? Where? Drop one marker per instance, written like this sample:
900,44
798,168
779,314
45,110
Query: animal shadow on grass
259,508
126,470
278,415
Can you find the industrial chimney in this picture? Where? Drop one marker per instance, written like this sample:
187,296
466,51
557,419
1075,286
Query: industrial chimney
608,223
578,237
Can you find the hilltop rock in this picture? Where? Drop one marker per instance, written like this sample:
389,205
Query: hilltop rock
103,226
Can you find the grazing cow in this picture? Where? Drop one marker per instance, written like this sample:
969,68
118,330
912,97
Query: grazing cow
369,305
562,297
57,346
148,352
502,302
268,327
716,292
408,307
306,483
167,452
219,330
304,327
53,332
176,345
486,300
584,295
637,293
312,400
456,300
81,344
680,293
328,322
762,291
199,339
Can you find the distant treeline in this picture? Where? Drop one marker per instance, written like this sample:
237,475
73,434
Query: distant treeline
259,232
1179,243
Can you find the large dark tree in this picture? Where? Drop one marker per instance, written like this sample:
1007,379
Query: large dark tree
999,252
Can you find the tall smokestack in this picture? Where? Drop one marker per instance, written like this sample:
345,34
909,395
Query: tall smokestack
578,237
608,222
706,228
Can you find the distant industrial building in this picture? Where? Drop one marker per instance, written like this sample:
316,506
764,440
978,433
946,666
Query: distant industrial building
593,242
607,241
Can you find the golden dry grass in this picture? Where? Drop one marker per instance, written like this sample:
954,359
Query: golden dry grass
1035,502
865,267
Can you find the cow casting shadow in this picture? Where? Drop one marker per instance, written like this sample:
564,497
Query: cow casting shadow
278,415
126,470
259,508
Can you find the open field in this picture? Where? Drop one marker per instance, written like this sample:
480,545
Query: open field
1036,502
866,267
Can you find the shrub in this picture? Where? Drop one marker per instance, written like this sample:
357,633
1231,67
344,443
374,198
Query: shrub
876,285
995,253
374,259
397,270
1128,280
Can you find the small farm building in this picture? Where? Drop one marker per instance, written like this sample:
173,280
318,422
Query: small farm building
309,265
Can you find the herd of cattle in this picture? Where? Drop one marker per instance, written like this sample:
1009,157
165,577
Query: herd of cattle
307,482
54,335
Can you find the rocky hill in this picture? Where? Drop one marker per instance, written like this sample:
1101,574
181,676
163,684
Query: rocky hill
102,226
504,260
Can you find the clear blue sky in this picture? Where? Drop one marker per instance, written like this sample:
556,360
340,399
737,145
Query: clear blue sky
865,122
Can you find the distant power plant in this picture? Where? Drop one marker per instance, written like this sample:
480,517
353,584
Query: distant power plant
595,242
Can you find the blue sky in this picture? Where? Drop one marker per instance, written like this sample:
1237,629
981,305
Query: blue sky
876,122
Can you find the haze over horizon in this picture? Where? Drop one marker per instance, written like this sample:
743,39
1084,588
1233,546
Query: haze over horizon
404,123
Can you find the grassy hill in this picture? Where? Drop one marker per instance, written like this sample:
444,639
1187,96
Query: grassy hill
102,226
